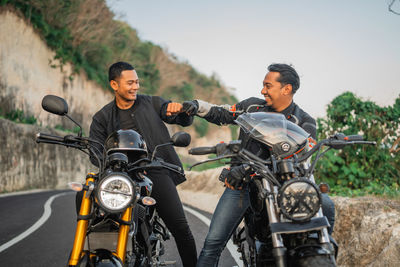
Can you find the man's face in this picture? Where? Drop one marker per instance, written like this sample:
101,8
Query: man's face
272,90
126,86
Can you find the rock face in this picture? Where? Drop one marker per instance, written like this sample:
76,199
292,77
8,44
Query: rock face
367,229
26,77
28,165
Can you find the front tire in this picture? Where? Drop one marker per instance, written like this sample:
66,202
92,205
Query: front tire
316,261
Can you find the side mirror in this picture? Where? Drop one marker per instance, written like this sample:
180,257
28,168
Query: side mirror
181,139
55,105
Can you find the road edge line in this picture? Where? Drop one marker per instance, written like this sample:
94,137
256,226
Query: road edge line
230,246
45,216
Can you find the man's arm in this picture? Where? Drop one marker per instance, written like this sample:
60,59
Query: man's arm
171,112
98,132
220,114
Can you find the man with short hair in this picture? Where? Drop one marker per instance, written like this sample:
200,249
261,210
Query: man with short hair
279,86
146,114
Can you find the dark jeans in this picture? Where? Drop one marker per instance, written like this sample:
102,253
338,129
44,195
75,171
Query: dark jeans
170,209
227,215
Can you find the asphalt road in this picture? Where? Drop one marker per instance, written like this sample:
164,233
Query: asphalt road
49,244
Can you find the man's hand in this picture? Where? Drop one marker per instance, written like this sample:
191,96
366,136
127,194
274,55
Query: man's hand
234,178
174,108
190,107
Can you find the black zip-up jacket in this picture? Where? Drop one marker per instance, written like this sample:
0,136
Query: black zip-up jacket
149,112
226,115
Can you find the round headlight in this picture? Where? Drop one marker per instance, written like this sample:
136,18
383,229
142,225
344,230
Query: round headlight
115,192
299,200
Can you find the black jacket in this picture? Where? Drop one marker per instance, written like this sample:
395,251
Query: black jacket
221,115
149,114
226,115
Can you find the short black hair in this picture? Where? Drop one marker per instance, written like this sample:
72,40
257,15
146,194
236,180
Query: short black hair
116,69
288,75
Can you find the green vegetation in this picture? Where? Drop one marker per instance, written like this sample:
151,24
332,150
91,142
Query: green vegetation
19,117
361,169
201,126
209,165
179,93
234,131
86,34
75,130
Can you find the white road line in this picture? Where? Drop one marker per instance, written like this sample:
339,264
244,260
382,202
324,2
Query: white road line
37,225
230,246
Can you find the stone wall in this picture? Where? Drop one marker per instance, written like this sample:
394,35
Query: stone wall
28,165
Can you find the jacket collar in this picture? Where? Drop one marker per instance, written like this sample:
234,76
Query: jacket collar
289,110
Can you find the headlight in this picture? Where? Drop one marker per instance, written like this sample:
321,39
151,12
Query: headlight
299,200
115,192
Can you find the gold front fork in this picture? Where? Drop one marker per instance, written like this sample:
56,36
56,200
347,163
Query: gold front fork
123,234
81,227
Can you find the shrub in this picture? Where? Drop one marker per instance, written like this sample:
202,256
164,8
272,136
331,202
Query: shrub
361,168
19,116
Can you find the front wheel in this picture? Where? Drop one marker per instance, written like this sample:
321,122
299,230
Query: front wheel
316,261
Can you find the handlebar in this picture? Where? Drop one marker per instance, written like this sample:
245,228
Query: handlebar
354,138
202,150
336,141
171,166
42,138
68,140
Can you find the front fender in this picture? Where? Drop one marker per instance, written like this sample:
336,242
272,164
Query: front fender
100,258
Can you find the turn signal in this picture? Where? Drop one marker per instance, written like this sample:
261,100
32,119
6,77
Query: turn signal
148,201
76,186
324,188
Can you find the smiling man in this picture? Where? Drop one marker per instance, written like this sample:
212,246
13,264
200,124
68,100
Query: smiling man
279,85
146,114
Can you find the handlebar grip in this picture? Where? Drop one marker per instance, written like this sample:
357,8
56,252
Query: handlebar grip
354,138
202,150
49,137
172,166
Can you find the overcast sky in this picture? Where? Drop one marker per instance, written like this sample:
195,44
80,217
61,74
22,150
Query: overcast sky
336,45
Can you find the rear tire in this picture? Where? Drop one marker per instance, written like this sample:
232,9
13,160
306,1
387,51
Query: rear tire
316,261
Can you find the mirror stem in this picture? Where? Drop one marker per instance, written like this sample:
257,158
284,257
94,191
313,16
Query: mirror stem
155,149
80,128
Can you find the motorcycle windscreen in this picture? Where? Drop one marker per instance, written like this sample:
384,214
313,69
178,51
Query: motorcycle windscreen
271,128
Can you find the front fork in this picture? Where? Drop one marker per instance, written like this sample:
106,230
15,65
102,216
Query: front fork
279,250
83,222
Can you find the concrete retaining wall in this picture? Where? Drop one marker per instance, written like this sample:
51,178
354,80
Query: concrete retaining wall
28,165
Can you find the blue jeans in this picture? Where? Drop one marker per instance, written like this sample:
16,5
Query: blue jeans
227,215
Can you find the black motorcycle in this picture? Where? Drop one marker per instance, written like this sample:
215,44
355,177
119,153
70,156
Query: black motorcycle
284,225
117,222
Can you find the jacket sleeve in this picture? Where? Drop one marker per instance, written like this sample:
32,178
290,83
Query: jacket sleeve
98,132
160,106
310,126
224,114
